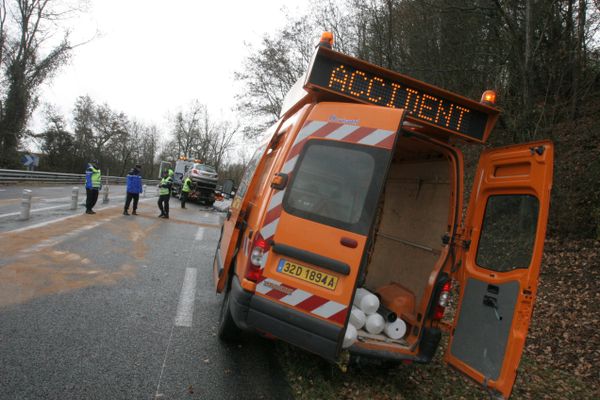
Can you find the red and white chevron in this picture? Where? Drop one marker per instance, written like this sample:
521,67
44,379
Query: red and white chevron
317,305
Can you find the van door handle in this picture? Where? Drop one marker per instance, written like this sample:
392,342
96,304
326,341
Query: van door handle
492,302
348,242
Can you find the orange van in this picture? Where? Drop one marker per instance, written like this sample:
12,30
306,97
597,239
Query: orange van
360,185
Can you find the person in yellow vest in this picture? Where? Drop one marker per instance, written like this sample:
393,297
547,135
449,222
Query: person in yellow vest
164,193
185,190
93,184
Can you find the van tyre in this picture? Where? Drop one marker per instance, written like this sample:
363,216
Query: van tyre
228,330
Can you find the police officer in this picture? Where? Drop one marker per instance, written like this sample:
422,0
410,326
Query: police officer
134,188
164,193
185,190
93,185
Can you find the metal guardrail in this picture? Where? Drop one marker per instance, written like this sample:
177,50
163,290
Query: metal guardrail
16,176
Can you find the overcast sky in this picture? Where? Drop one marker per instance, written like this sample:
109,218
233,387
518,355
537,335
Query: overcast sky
152,58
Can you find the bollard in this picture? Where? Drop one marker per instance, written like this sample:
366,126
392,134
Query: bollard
145,191
25,204
74,197
105,197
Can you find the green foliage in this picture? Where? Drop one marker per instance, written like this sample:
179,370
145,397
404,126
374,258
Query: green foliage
24,27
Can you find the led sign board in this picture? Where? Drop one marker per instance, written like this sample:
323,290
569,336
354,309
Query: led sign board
424,103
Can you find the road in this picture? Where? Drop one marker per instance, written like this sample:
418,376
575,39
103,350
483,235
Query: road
109,306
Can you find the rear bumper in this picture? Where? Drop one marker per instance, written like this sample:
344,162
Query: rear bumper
204,182
252,312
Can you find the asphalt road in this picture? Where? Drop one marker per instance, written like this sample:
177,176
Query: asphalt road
49,202
108,306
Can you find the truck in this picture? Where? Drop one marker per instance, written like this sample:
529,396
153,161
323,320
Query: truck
359,188
204,179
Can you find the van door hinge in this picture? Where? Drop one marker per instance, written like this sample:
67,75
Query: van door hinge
458,239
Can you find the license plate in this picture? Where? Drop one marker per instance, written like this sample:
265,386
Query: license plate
307,274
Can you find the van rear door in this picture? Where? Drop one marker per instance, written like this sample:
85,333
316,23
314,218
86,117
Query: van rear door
318,225
506,223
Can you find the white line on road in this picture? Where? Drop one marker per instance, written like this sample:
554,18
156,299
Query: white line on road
199,234
185,308
52,221
54,241
157,394
34,210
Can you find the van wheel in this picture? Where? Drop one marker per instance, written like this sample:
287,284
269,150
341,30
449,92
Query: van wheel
228,330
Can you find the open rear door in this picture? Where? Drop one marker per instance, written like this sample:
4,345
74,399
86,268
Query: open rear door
506,225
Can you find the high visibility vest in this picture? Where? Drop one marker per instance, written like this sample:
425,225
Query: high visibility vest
92,178
186,185
164,190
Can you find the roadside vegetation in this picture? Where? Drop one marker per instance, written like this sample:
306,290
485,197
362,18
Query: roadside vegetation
542,57
559,362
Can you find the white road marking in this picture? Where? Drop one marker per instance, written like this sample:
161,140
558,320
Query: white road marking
185,308
13,214
158,395
52,221
200,234
33,210
59,239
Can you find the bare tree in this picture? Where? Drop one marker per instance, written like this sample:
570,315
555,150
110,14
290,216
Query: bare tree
197,135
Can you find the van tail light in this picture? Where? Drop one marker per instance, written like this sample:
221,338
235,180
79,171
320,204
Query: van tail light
443,300
259,248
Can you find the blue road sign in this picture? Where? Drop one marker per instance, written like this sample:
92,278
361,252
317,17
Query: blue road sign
30,161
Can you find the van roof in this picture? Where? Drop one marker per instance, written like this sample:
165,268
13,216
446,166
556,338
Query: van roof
333,76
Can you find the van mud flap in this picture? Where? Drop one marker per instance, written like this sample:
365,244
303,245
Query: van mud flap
297,328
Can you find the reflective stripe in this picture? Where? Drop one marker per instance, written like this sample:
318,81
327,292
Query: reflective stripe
164,190
328,309
377,136
186,185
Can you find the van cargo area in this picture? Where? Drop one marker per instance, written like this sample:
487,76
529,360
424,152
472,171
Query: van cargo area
405,253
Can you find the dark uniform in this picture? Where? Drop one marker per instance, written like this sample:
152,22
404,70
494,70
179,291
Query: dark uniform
134,188
93,184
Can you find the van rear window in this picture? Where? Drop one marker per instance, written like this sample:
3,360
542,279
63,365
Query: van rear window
337,184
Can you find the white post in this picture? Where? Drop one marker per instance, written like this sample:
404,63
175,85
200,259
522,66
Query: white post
74,197
145,191
105,198
25,204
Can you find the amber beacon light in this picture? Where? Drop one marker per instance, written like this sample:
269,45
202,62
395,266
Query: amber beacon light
488,97
326,40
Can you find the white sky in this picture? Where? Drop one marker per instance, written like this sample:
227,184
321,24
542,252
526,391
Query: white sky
152,58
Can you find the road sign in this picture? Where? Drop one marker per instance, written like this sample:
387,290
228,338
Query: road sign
30,161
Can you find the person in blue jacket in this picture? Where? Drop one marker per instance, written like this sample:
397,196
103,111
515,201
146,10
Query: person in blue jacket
93,184
134,188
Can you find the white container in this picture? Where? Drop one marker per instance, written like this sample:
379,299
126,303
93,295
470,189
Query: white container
366,301
357,317
395,330
375,324
350,336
